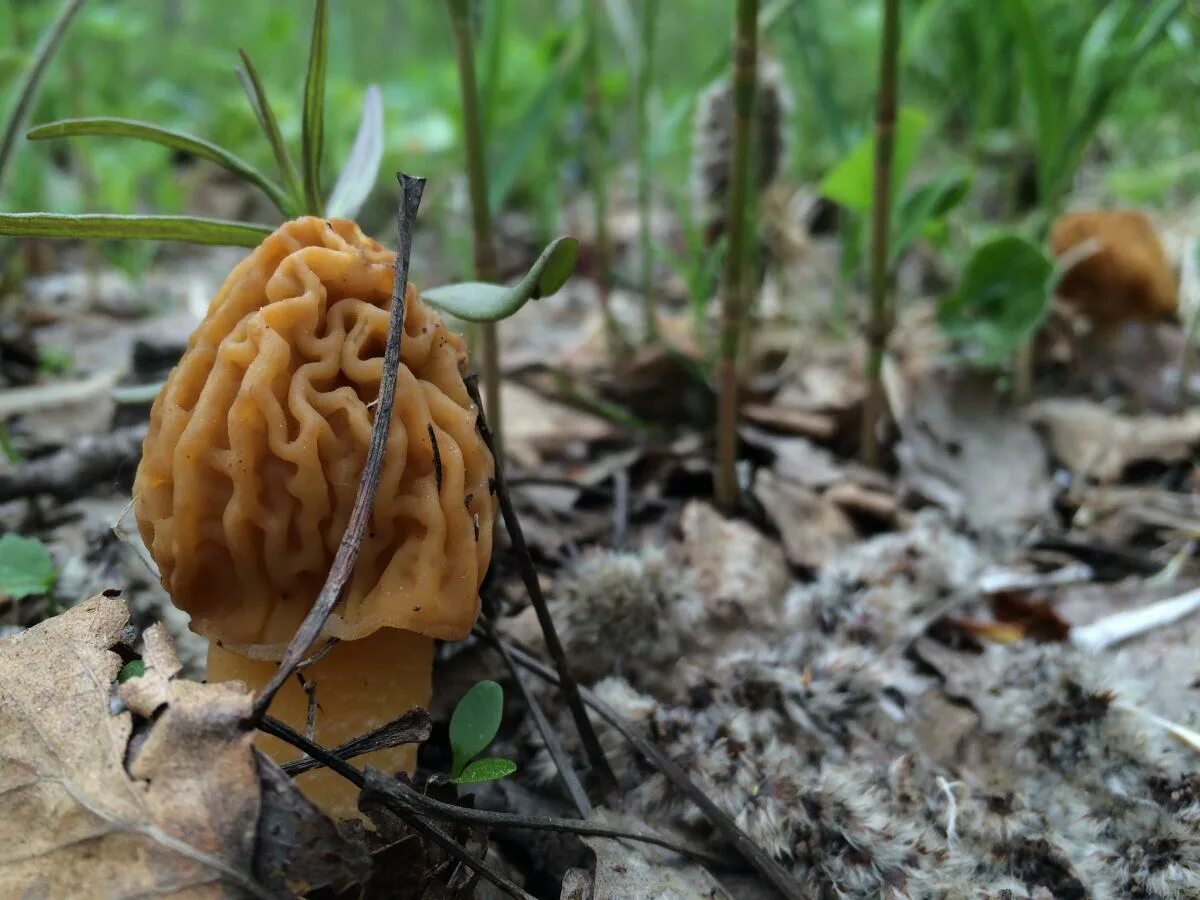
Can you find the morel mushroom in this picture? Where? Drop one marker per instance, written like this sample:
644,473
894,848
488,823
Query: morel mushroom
249,471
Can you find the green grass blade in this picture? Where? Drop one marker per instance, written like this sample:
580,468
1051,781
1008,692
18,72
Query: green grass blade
1048,101
186,229
361,170
491,59
313,133
257,95
1112,75
26,90
177,140
812,46
477,301
516,146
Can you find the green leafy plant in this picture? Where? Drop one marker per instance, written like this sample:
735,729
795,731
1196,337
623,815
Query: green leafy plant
298,196
1071,101
26,569
916,209
473,725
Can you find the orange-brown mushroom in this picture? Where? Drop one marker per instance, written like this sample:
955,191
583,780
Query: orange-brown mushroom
250,468
1127,277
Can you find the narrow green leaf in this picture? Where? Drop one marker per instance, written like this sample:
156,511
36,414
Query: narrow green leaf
361,170
851,182
135,668
26,568
313,130
491,769
513,149
186,229
177,140
491,59
1002,299
1033,53
26,90
475,722
930,201
475,301
1110,75
261,104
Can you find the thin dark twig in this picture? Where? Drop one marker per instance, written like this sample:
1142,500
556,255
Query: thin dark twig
566,773
409,803
318,656
289,735
310,719
411,728
381,785
750,851
411,188
587,734
620,507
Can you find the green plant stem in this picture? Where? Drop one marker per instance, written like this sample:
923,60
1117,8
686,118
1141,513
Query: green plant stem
597,162
879,325
481,216
26,91
733,298
645,80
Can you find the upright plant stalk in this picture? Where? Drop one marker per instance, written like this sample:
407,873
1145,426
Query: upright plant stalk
880,322
645,79
481,216
597,160
734,298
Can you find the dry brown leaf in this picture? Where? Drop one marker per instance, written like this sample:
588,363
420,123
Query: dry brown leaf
1095,443
741,575
180,822
628,871
150,788
813,528
535,426
963,450
790,420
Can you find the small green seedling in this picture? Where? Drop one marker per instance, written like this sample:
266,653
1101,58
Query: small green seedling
473,726
26,568
135,668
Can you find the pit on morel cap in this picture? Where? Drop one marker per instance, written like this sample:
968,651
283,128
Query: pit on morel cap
249,471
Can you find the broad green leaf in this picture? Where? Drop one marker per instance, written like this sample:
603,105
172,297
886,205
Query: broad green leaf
26,90
475,722
26,568
256,94
186,229
851,182
313,128
490,769
1002,299
135,668
362,165
476,301
929,202
513,150
177,140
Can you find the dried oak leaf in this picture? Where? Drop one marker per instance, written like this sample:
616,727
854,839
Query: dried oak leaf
160,798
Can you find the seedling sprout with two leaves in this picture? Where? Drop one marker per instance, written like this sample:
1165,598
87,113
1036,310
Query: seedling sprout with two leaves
473,726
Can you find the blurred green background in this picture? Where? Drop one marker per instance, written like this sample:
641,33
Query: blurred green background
172,62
